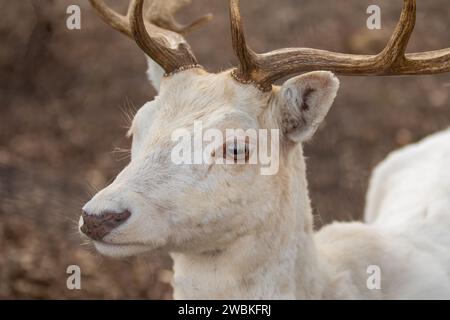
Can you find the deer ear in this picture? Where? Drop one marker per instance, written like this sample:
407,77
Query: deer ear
304,103
154,73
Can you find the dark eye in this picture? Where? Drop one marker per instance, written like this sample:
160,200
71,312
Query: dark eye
236,150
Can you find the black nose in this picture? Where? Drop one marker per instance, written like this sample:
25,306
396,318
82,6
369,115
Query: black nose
97,226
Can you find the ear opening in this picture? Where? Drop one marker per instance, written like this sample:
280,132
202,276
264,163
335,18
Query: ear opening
304,102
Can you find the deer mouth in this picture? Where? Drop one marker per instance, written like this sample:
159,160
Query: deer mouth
121,250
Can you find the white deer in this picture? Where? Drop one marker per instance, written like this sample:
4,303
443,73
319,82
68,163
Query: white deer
236,234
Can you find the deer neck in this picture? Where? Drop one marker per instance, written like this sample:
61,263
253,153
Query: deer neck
277,262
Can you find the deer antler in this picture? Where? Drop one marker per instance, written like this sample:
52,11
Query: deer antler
264,69
160,36
162,13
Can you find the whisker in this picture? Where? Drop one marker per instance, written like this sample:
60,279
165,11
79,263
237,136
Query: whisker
128,112
121,154
92,190
65,217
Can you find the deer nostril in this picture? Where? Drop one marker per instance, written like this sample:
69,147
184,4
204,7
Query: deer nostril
97,226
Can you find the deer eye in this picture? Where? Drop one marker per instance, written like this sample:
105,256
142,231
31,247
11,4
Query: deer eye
236,150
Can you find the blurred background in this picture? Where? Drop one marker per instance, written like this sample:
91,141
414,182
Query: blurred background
66,97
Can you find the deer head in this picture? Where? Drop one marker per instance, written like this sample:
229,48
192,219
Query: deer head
156,203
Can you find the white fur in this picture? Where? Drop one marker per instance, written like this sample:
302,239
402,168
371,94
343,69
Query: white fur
235,234
155,73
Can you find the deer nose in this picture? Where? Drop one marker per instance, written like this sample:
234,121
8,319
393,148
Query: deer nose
97,226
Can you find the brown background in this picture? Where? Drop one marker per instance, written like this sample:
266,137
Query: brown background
65,95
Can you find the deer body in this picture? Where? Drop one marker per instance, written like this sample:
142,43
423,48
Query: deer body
234,233
406,230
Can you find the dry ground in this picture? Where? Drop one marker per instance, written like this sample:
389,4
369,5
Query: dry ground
63,95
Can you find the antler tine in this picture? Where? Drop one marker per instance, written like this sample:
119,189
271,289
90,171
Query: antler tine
394,52
117,21
171,60
158,37
121,22
245,55
430,62
183,29
264,69
162,14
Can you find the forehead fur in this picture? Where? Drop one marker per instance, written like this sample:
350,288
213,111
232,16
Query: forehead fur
196,93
